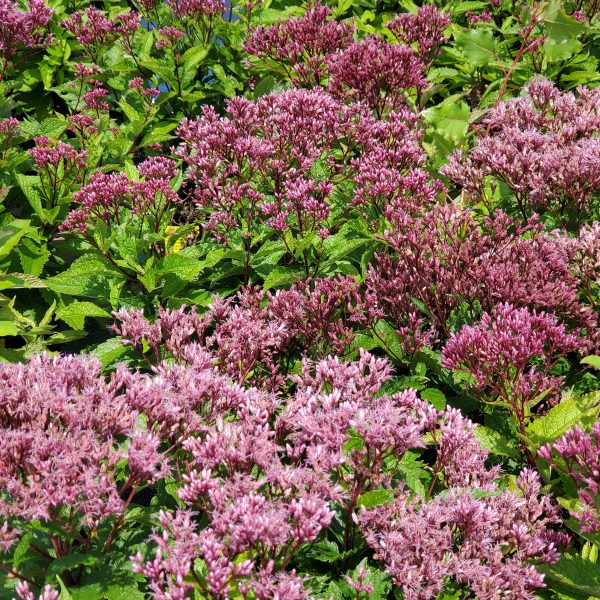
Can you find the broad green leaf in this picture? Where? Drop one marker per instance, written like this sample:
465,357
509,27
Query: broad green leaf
11,234
110,351
593,361
450,118
20,552
376,498
52,127
477,45
494,442
87,276
70,561
574,576
414,473
435,397
280,277
190,60
33,257
390,340
562,31
20,281
183,266
8,328
64,592
74,314
29,186
571,411
324,551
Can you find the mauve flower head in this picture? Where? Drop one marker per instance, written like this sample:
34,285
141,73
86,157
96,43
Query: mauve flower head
107,195
298,46
49,154
95,97
482,539
252,335
82,125
425,29
197,9
254,504
544,146
91,27
22,29
169,37
510,354
376,73
258,163
261,157
442,255
577,456
9,127
59,419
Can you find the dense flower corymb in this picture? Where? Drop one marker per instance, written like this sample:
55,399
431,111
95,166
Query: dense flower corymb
544,147
577,455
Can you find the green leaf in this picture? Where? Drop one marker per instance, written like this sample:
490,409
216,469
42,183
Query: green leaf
64,592
11,234
477,45
70,561
51,127
33,257
110,351
574,576
281,276
562,31
20,281
413,472
324,551
87,276
29,186
74,314
593,361
8,328
108,585
190,60
376,498
450,118
391,341
435,397
184,267
20,551
562,417
494,442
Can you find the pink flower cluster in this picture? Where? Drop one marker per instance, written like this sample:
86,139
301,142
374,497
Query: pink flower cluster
107,195
315,50
298,47
266,477
376,73
268,483
425,29
442,258
253,334
577,456
60,422
262,162
50,154
510,355
93,29
482,541
22,29
543,146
